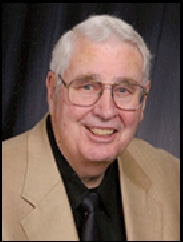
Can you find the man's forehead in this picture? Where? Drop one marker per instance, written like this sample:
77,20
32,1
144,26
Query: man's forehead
83,44
109,60
87,51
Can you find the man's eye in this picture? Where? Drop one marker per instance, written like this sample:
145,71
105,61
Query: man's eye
87,87
122,89
82,86
92,87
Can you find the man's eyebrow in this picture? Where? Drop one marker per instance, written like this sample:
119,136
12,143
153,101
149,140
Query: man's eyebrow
88,77
127,80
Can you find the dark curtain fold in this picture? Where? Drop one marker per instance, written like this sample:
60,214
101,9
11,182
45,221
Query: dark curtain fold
29,32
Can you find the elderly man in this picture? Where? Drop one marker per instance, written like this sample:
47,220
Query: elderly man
79,174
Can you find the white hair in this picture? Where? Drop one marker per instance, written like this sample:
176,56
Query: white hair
98,28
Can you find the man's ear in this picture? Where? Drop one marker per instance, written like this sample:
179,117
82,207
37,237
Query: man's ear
51,86
147,87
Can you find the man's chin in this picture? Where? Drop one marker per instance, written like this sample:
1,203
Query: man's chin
101,157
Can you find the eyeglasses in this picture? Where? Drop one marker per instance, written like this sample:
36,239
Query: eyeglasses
85,92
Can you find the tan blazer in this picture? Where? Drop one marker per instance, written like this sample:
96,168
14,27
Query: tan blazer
35,206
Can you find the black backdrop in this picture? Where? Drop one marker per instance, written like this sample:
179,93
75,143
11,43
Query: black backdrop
29,31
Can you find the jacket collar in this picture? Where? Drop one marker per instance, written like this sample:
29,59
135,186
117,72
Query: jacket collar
51,217
41,173
143,213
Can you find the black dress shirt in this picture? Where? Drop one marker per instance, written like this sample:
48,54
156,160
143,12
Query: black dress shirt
110,217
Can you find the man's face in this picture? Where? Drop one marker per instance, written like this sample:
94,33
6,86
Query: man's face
83,132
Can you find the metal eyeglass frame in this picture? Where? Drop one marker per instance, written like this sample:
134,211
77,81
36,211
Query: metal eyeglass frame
67,85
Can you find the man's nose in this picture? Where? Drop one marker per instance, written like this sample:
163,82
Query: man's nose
105,108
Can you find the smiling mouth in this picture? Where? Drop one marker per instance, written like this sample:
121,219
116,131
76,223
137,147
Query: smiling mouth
101,131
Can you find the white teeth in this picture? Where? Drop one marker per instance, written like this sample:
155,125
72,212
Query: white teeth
102,131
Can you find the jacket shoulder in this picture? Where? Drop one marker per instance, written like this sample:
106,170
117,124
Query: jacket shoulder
139,148
17,145
157,163
13,150
13,143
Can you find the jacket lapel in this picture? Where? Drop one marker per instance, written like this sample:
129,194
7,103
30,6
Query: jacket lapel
143,214
51,217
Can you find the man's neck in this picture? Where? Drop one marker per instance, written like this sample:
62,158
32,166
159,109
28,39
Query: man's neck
92,181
